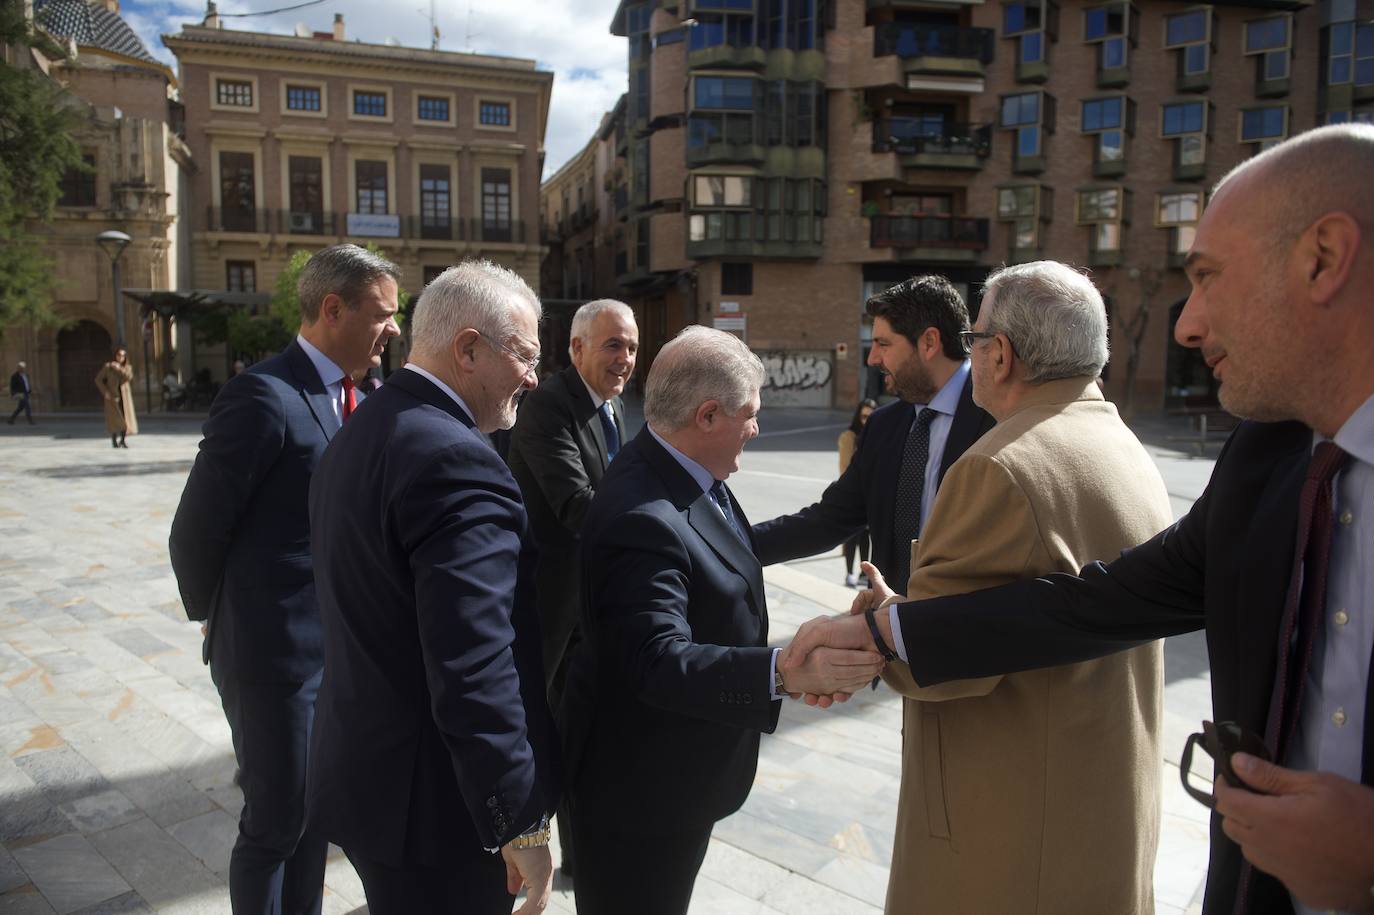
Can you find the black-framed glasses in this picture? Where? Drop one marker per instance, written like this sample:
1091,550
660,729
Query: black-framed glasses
531,362
967,337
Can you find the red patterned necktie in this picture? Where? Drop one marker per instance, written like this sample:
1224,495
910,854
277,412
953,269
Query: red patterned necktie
350,398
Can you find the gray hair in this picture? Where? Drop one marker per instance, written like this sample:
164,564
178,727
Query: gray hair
475,294
586,316
1054,317
698,365
343,270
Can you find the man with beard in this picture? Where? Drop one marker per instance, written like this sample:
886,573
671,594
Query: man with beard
907,446
432,746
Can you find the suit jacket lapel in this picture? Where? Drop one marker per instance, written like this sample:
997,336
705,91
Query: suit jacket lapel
588,422
970,422
312,389
705,518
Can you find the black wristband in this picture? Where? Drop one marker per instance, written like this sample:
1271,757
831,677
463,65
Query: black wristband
883,648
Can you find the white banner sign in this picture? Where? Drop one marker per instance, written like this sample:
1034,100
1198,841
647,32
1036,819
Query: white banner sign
374,225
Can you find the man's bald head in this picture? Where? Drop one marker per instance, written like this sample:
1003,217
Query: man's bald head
1295,183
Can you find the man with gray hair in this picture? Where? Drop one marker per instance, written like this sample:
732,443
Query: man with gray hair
997,812
569,430
433,746
675,682
240,548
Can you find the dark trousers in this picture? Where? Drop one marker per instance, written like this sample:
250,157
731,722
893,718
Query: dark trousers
276,868
22,407
858,542
635,873
473,887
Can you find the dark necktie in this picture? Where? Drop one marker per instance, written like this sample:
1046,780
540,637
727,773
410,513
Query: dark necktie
721,497
350,399
1306,604
1302,612
911,484
609,428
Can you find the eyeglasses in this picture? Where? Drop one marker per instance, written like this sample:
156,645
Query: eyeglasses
967,337
531,363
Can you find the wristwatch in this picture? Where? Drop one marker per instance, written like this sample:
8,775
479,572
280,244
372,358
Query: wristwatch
778,687
536,837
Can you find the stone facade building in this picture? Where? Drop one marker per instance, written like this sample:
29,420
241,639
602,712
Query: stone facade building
785,159
308,140
137,163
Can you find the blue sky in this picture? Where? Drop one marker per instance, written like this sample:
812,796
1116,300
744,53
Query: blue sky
569,37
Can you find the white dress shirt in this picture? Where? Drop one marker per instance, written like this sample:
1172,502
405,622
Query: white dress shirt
1330,734
441,386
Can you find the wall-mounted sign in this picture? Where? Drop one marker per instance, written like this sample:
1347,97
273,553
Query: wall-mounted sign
729,308
374,225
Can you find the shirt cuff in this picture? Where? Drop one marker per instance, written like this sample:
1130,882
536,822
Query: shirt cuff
898,645
773,676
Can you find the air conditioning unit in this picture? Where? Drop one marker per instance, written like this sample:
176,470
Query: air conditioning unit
302,222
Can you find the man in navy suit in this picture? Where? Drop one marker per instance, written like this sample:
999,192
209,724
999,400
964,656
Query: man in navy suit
433,745
667,698
1281,269
240,547
916,328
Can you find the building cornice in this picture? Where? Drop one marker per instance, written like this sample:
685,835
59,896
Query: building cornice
195,44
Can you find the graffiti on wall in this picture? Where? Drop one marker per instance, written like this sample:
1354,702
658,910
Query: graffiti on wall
797,378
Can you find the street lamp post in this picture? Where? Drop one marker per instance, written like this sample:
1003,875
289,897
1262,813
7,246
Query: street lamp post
113,243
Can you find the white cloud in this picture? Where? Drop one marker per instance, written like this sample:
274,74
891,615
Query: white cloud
570,37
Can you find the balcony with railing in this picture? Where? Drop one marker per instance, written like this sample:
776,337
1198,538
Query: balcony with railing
939,238
935,49
933,143
324,224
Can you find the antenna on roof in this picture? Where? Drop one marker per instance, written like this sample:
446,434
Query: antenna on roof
471,34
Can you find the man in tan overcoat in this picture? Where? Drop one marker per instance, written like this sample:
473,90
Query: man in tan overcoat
1036,792
113,381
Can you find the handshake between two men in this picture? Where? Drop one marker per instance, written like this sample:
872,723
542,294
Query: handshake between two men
842,653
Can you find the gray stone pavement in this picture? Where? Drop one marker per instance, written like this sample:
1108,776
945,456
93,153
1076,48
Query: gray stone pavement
116,776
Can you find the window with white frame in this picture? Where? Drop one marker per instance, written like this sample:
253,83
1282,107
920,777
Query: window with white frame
1186,122
1265,126
1271,41
1350,54
1023,206
1190,33
1179,211
1033,23
1029,114
1112,29
234,93
1108,120
1102,210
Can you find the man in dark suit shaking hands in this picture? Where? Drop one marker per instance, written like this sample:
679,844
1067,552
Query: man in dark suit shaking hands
667,697
240,548
906,447
433,744
569,430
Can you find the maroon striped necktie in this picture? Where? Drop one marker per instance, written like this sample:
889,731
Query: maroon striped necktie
1302,613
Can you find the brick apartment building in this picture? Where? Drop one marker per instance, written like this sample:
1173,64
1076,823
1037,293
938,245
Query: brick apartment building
309,140
781,160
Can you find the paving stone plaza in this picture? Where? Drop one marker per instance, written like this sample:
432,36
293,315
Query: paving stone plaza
116,779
